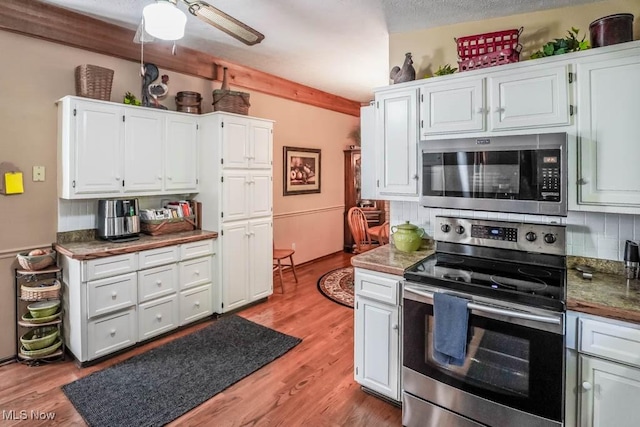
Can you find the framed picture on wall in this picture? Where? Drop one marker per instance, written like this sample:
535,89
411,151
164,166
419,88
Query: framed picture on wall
301,171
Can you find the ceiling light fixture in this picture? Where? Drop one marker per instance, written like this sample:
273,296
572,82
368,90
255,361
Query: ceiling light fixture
164,20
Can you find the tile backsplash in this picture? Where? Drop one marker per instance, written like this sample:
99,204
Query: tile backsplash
76,215
589,234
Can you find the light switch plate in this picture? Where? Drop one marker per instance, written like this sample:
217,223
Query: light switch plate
38,173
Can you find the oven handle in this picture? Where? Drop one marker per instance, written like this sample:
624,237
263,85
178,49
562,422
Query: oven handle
494,310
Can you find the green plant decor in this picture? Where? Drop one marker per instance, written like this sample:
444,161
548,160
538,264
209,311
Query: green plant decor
443,70
565,45
131,99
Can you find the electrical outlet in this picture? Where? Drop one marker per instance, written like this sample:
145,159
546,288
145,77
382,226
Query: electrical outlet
293,246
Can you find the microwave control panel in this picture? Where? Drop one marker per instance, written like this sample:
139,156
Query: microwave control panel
549,175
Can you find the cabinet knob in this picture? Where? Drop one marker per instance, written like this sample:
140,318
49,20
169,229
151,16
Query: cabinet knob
159,316
158,282
586,386
169,178
114,295
480,110
499,110
416,177
117,178
395,327
197,272
159,177
582,181
112,332
197,304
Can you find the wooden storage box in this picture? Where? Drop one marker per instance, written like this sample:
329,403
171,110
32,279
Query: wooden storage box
231,101
157,227
94,82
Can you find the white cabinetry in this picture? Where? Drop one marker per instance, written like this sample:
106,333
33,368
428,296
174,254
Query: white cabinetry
107,149
237,197
514,99
604,390
608,127
377,332
396,142
116,301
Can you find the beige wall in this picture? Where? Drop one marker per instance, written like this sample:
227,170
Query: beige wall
36,73
436,46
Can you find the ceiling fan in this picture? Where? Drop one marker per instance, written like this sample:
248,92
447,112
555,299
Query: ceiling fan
163,19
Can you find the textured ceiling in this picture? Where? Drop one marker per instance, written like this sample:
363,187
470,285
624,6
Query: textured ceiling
338,46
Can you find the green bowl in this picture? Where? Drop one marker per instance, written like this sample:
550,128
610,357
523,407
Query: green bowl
43,308
27,317
39,338
43,351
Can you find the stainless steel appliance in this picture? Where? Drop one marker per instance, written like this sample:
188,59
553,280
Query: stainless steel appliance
513,276
520,173
118,220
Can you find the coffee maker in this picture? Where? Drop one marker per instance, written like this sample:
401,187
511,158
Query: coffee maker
118,220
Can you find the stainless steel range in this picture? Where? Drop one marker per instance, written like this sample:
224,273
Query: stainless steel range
513,276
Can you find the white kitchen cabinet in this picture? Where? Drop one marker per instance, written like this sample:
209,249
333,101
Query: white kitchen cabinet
377,332
113,302
246,262
107,150
603,377
608,126
501,100
396,140
181,161
236,191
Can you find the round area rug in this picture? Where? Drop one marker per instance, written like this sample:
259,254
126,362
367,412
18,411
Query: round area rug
337,285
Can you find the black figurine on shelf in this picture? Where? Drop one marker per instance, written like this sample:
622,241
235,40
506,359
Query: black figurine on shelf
150,75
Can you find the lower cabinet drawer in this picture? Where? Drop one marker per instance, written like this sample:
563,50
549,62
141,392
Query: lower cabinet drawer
195,272
157,282
111,333
158,316
196,249
195,304
615,341
111,294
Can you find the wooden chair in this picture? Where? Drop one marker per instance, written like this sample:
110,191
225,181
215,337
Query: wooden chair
278,256
383,235
360,231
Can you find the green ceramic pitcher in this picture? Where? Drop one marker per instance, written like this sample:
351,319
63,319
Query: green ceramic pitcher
407,237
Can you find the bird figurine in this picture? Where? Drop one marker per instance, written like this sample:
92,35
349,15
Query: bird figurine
405,74
159,90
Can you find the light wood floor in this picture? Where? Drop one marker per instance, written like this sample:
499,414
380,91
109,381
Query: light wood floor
310,385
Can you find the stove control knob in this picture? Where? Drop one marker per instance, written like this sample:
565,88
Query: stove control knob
549,238
445,228
531,236
459,229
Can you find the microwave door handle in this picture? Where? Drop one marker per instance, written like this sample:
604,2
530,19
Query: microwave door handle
493,310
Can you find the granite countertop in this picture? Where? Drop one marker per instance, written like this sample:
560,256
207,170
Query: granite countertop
608,294
95,248
387,259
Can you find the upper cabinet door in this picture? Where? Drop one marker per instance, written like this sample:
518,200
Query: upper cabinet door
235,188
397,141
181,154
97,142
608,129
143,148
452,107
261,185
529,99
261,145
235,142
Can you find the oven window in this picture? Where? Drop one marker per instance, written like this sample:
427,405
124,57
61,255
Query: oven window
495,361
514,365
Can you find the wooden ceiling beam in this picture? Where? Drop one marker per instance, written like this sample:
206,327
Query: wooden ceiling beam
55,24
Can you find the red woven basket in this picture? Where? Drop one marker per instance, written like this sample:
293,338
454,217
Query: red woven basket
488,49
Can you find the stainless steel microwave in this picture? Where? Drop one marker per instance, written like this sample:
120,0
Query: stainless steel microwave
518,173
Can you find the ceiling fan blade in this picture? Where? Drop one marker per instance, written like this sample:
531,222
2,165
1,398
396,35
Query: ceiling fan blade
212,16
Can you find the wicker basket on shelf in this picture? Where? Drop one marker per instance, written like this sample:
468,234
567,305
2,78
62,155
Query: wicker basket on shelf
156,227
37,291
94,82
231,101
36,262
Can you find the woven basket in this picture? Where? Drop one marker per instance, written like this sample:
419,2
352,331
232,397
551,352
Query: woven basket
156,227
231,101
36,262
94,82
38,291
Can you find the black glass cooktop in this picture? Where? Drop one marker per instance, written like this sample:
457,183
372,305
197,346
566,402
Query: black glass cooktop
535,285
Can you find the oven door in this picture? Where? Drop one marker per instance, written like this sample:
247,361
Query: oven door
513,373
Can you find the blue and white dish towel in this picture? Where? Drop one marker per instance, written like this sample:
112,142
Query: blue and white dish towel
450,329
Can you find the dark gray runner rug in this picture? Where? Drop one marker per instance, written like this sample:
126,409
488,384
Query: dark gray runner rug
158,386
